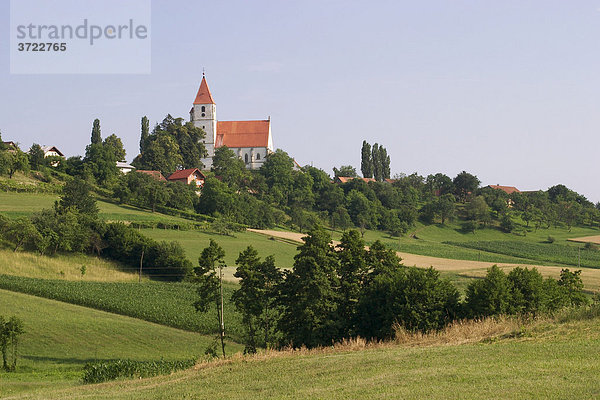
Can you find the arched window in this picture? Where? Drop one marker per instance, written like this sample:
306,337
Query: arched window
203,108
258,156
246,158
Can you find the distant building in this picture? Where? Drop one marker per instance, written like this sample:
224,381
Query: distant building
10,146
51,151
505,189
154,174
251,141
344,179
188,176
124,167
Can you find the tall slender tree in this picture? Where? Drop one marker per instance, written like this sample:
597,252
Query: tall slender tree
384,158
375,157
366,162
96,136
145,133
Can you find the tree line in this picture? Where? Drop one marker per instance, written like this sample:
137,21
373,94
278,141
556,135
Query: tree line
73,225
335,293
279,193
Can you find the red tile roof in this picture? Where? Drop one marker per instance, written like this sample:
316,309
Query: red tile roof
344,179
204,96
155,174
243,133
184,173
506,189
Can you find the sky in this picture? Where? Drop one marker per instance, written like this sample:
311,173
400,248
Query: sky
506,90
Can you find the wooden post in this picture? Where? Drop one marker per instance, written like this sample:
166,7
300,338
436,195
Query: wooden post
141,261
222,320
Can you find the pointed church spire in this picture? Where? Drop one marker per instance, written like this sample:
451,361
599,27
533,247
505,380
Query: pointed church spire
204,96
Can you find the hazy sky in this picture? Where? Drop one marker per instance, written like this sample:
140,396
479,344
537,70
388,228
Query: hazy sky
507,90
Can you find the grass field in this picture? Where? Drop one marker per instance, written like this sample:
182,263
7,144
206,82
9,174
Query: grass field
23,204
60,338
62,267
544,361
194,241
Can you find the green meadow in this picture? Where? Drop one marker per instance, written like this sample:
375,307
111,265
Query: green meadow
60,338
543,361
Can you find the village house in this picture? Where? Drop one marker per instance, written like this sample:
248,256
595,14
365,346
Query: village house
124,167
508,190
51,151
251,141
344,179
10,146
154,174
188,176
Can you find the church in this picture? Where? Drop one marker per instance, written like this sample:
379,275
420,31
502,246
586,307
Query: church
250,140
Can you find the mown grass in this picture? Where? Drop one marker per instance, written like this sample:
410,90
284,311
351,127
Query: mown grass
66,267
60,338
23,204
169,304
194,241
546,360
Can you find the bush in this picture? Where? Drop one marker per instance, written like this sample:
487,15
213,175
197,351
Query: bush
489,296
469,226
110,370
550,239
161,259
416,299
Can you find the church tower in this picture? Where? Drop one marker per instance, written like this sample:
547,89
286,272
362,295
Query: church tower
204,115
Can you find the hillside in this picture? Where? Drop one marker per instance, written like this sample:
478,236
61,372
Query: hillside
543,360
60,338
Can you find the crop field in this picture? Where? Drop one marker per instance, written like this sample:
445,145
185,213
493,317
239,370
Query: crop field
549,360
169,304
60,338
545,252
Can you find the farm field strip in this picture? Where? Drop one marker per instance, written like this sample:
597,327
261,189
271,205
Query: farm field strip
169,304
468,268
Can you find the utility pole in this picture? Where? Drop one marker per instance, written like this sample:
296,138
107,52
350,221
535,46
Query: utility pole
222,321
141,261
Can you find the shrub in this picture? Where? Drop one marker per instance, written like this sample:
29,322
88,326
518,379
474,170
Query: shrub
110,370
469,226
416,299
489,296
550,239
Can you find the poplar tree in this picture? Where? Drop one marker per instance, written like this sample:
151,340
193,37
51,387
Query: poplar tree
96,136
376,160
385,163
145,133
366,163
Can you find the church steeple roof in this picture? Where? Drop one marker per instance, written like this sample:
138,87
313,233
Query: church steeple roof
204,96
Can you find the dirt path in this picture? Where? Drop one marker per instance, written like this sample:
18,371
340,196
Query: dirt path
590,277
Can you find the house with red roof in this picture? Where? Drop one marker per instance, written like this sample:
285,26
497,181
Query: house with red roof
505,189
250,140
154,174
188,176
344,179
